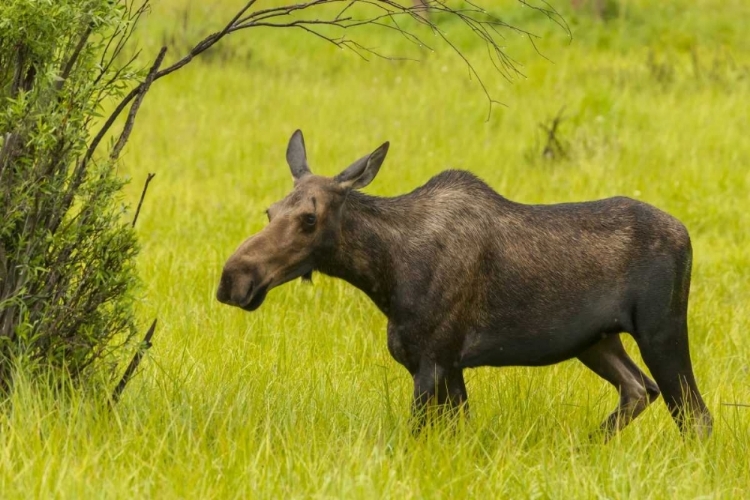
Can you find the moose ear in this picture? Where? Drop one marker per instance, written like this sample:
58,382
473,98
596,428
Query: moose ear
296,156
360,173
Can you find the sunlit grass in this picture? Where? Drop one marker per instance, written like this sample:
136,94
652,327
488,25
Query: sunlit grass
301,398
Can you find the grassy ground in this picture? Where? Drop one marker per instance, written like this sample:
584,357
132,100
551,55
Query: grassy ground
301,398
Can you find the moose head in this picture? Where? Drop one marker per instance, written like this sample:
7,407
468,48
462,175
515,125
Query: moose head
301,227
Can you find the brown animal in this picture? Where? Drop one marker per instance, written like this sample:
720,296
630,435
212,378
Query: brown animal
469,278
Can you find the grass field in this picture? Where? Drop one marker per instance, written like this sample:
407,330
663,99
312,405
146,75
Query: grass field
301,398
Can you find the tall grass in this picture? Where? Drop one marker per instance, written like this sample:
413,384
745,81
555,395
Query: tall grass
301,398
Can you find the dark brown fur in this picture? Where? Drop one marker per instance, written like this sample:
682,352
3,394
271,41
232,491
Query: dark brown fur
469,278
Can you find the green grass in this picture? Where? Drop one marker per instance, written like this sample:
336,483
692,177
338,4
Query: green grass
301,398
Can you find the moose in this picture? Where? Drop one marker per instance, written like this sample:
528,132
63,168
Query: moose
468,278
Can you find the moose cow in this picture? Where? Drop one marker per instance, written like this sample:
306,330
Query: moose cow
469,278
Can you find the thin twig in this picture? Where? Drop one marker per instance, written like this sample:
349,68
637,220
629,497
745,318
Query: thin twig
122,36
133,366
74,57
128,127
143,195
554,147
139,92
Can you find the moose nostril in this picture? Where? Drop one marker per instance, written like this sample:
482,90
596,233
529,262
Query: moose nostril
250,288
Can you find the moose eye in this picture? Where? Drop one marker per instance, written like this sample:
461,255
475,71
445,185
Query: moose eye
309,219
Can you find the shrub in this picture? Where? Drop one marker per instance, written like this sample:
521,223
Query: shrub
66,254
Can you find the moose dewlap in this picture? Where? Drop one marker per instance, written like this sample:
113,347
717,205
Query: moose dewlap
469,278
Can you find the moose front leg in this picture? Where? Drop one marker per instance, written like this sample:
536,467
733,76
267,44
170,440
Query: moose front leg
437,390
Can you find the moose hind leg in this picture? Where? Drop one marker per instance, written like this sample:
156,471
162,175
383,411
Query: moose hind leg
665,350
608,359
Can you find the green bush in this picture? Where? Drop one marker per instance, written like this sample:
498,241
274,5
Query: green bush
66,253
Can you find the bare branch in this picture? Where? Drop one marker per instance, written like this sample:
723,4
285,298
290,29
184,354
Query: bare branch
554,148
121,38
133,366
143,196
340,15
139,93
74,57
551,14
128,127
483,24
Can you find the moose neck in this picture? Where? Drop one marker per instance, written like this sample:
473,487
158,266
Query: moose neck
365,248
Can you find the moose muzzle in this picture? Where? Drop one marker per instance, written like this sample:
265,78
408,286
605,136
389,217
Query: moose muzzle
241,286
